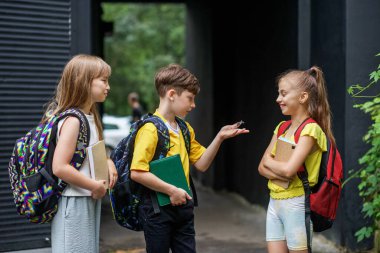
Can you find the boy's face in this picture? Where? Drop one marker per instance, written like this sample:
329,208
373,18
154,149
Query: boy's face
183,104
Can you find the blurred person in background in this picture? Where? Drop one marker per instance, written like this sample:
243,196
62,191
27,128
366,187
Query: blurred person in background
137,111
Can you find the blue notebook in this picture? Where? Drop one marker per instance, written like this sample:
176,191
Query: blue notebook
170,170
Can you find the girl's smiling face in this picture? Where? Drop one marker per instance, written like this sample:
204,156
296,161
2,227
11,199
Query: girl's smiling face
288,96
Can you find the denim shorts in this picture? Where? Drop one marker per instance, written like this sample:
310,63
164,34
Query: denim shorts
286,221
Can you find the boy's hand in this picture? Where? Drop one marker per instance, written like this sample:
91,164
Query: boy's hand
229,131
179,197
112,173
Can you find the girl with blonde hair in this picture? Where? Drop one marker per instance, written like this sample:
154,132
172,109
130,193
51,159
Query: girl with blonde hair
75,227
301,95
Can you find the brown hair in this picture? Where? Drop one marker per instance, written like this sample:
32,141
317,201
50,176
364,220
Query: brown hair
74,87
175,77
312,81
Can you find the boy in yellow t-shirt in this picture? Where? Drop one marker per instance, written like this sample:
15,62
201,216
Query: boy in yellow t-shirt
173,227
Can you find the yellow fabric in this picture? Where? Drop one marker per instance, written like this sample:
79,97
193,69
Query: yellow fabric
146,142
312,162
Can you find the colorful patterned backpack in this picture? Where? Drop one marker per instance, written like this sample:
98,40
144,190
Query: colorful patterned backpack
126,195
36,190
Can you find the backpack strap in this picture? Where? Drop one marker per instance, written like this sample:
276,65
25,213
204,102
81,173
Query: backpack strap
304,177
164,143
83,137
302,173
186,136
82,143
185,132
283,127
162,148
297,133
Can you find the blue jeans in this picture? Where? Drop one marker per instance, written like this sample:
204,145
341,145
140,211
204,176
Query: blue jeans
172,228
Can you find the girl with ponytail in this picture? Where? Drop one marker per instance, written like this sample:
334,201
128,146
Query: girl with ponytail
301,95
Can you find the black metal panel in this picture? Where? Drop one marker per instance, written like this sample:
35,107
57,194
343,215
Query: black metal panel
34,46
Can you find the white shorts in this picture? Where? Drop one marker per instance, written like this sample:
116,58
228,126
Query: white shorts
286,221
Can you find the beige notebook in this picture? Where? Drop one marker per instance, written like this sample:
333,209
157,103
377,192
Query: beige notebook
98,162
284,150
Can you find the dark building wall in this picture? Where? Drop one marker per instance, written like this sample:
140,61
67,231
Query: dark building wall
199,61
37,38
236,52
264,45
343,44
250,47
83,27
248,51
34,46
327,50
362,44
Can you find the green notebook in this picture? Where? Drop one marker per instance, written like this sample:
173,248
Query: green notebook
170,170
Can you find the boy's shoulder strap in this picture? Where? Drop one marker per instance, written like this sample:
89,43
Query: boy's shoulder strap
163,133
186,136
185,132
163,144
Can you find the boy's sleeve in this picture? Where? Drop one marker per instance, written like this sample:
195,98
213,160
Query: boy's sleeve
145,146
196,149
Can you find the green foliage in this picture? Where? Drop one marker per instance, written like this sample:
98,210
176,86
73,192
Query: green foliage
369,173
364,232
145,38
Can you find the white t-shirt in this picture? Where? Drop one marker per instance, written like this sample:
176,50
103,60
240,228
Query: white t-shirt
72,190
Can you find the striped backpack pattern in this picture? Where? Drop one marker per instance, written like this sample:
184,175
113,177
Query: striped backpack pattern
36,190
126,196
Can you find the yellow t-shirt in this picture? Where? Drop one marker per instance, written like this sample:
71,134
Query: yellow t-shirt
146,142
312,162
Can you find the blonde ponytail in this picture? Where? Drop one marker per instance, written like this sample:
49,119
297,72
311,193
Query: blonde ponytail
313,82
319,107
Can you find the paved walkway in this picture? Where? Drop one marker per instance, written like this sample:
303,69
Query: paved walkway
224,223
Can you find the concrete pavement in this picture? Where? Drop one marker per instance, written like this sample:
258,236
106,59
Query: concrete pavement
224,223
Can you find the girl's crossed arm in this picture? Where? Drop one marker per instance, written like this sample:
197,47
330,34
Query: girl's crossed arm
287,169
266,171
